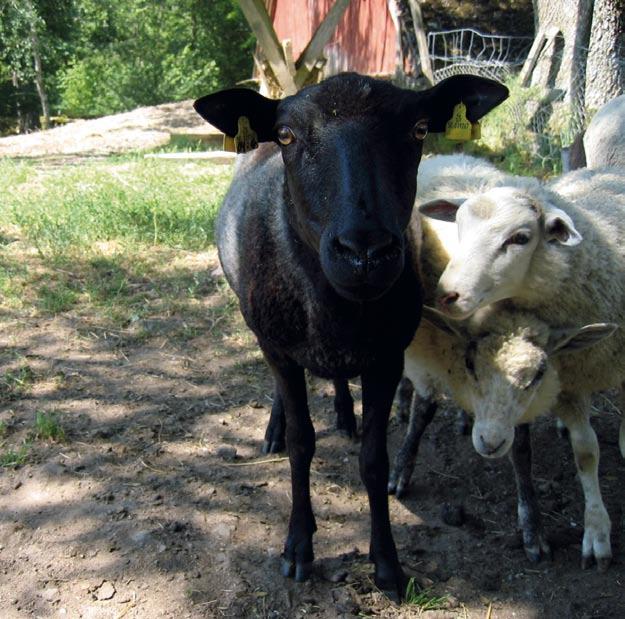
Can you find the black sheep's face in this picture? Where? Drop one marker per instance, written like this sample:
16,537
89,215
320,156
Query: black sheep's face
351,146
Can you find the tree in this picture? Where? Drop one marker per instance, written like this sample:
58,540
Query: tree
605,68
32,40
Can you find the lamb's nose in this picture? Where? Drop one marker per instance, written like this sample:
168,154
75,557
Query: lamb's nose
488,448
448,299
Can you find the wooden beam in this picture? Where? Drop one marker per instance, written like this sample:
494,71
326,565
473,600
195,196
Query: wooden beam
422,41
309,57
260,22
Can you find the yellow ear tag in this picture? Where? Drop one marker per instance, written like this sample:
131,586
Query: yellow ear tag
458,128
246,139
229,144
476,131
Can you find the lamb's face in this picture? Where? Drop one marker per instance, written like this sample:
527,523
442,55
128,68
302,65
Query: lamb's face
512,382
498,232
512,374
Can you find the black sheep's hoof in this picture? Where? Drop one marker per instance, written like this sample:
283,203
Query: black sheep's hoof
392,583
272,447
300,570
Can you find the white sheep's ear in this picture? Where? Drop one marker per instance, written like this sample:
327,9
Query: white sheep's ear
441,322
559,227
568,340
441,208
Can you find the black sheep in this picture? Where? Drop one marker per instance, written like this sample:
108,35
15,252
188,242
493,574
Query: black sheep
312,237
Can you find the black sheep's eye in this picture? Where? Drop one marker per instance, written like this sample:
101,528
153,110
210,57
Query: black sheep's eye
519,238
285,135
420,130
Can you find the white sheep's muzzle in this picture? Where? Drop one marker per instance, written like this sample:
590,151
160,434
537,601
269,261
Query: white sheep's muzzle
492,440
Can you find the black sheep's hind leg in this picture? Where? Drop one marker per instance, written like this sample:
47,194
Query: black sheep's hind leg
344,407
423,410
274,434
405,393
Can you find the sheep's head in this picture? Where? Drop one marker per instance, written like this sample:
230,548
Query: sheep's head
498,233
511,377
351,146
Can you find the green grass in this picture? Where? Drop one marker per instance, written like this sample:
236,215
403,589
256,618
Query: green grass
424,599
129,200
16,383
11,458
48,427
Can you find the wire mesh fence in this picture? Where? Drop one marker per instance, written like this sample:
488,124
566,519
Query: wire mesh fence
550,113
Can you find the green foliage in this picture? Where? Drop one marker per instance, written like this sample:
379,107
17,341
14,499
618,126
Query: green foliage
106,56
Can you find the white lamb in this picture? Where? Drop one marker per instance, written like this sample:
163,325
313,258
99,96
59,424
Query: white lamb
516,243
507,368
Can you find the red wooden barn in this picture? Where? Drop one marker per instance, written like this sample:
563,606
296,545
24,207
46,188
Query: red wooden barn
365,39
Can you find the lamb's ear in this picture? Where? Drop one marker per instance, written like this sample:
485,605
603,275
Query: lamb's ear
479,94
568,340
559,228
224,108
441,322
441,208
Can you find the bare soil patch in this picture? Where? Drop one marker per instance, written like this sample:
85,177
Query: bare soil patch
158,503
141,129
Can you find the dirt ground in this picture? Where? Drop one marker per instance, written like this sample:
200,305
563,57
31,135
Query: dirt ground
158,503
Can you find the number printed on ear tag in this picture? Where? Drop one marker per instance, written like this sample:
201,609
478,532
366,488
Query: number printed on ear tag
458,128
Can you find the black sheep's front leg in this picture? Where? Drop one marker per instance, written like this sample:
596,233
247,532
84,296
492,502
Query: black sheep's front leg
300,442
378,390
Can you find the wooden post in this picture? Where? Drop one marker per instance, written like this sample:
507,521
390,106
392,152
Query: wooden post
309,58
260,22
422,41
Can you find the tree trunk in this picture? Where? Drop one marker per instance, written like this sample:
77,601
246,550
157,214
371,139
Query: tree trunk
39,81
605,70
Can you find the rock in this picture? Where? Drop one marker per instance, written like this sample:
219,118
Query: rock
490,581
453,515
141,537
51,594
226,452
105,591
338,576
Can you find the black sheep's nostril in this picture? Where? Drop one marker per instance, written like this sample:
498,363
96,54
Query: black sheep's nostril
383,248
350,247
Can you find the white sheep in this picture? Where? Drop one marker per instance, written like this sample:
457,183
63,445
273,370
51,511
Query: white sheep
517,243
507,368
604,140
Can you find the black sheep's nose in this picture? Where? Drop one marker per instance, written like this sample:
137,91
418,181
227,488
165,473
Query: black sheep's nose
366,248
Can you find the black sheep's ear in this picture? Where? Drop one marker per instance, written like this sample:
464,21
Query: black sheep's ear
479,94
224,108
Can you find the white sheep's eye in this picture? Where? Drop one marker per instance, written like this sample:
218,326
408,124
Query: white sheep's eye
285,135
519,238
420,130
542,368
